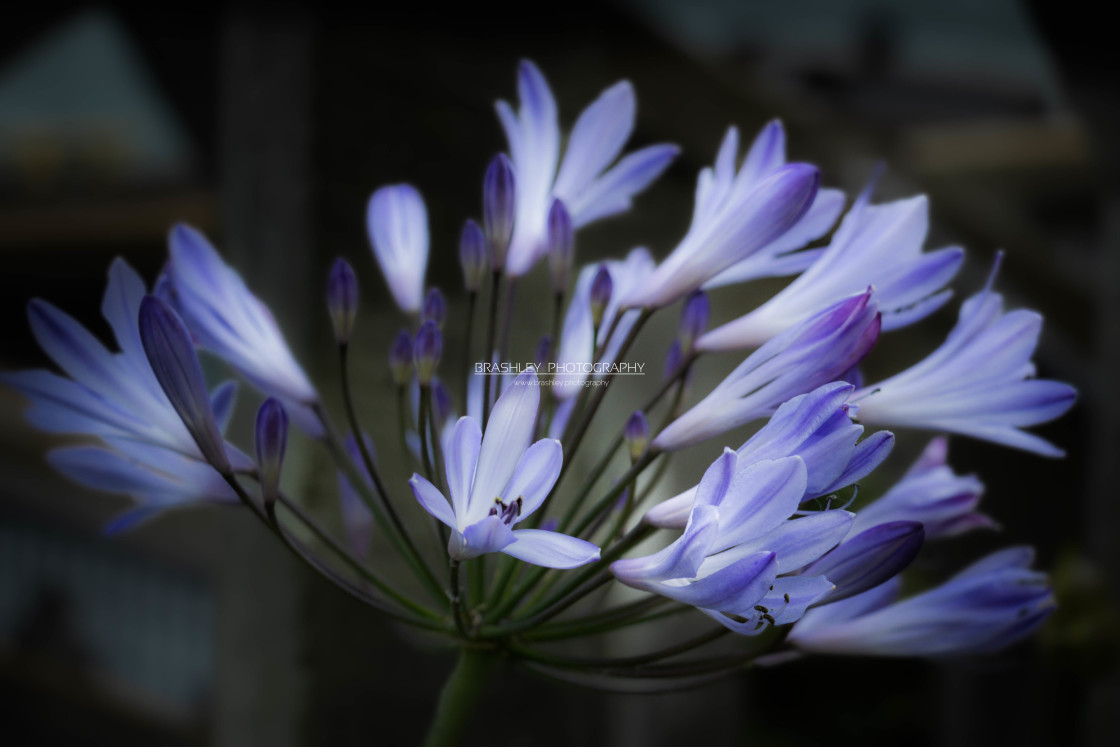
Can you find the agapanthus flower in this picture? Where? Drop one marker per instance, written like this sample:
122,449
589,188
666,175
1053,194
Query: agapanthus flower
578,339
588,188
780,256
229,321
930,493
739,545
146,450
815,427
167,343
753,213
986,607
498,480
397,222
877,245
814,352
978,383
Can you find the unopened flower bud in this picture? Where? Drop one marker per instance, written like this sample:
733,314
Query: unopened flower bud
561,246
435,308
601,288
636,433
342,299
272,441
173,359
498,208
673,359
427,351
400,358
543,354
472,256
694,319
442,409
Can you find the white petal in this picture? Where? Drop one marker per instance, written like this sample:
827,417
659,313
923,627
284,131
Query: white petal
508,434
551,549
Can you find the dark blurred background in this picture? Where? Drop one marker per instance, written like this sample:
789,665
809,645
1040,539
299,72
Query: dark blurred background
269,126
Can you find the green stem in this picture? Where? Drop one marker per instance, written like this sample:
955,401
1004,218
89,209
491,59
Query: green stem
422,430
360,483
458,701
488,351
472,300
457,599
570,662
588,415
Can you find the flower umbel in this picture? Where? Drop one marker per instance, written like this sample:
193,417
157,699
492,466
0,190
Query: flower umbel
775,538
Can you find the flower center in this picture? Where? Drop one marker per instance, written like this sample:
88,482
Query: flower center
507,512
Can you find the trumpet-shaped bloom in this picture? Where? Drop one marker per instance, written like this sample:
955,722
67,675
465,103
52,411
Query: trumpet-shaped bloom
978,383
397,222
779,257
930,493
815,427
990,605
752,213
814,352
878,245
738,545
499,479
146,450
578,340
229,321
584,183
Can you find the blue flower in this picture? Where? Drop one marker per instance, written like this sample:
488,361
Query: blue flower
930,493
814,352
779,257
498,480
877,245
815,427
146,451
737,215
986,607
978,383
229,321
739,545
588,188
578,340
397,222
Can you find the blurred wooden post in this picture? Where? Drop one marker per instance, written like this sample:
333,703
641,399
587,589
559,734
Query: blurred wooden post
265,227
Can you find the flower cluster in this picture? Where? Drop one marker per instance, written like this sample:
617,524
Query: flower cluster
772,538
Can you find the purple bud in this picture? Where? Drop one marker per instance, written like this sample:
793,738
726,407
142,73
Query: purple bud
427,350
472,256
272,441
637,435
601,288
543,353
561,245
400,358
498,208
173,359
694,319
442,409
435,308
673,359
342,299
